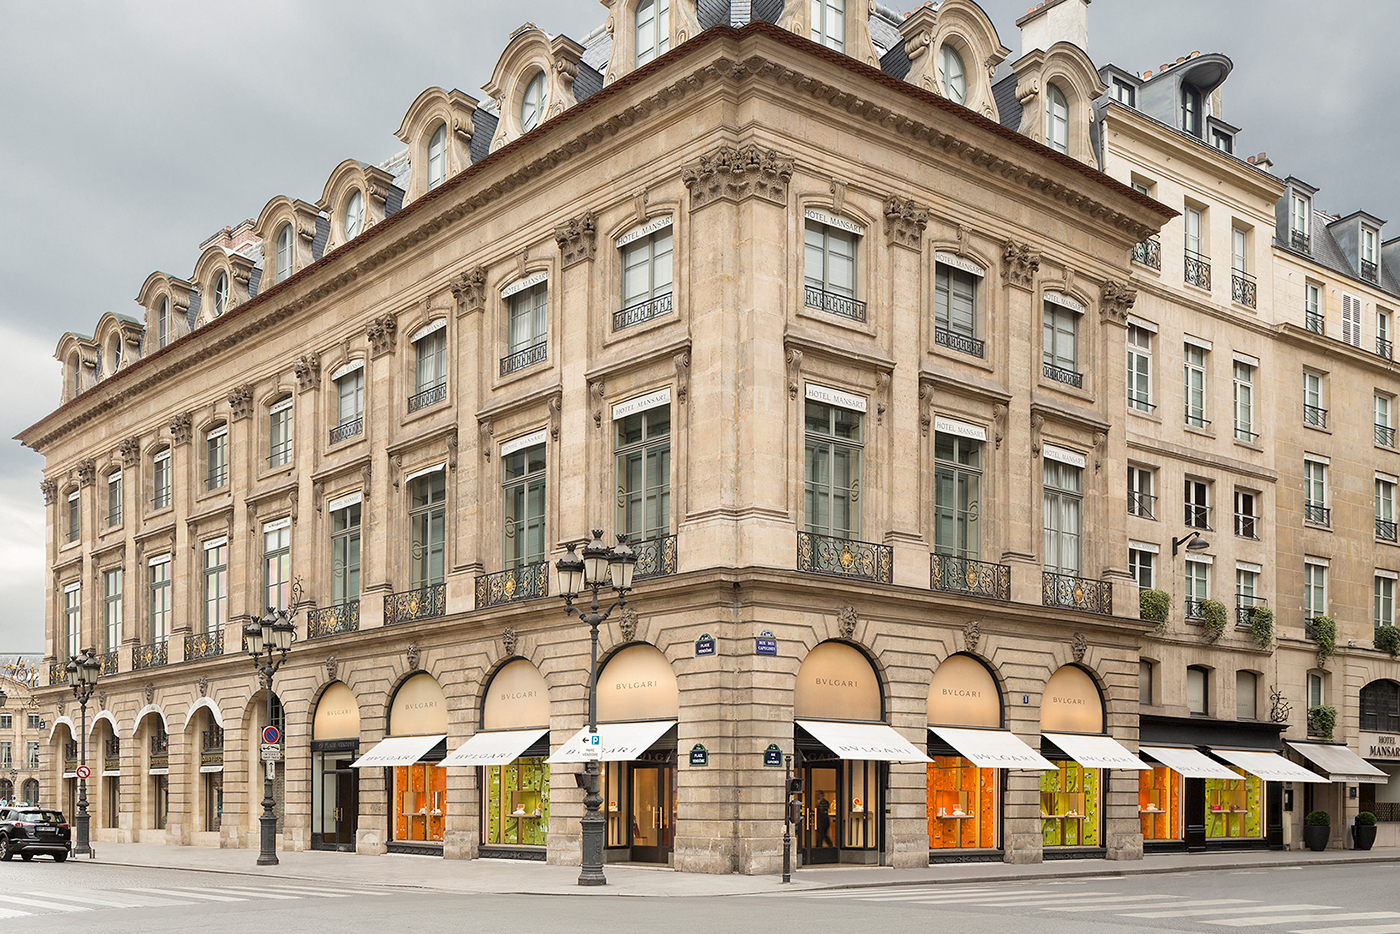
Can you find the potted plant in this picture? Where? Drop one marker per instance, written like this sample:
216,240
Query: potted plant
1324,633
1388,640
1213,614
1317,828
1261,626
1321,720
1154,605
1363,832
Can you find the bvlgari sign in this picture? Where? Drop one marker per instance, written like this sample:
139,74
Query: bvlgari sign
1380,745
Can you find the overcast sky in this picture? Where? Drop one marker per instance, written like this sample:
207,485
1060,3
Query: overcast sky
131,130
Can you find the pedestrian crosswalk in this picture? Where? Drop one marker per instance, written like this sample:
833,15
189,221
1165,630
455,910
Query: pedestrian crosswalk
1133,910
15,904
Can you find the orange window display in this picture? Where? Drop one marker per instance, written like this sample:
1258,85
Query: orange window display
1159,803
962,804
420,800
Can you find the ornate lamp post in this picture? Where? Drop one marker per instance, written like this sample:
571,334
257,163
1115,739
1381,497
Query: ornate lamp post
599,567
269,639
83,670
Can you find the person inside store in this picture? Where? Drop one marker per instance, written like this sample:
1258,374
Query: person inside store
823,809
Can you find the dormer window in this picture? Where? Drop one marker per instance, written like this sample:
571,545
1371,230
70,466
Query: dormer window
1223,141
532,103
1191,110
354,216
952,76
220,294
1299,215
1368,254
1124,93
829,23
653,29
1056,120
284,253
437,157
116,354
163,323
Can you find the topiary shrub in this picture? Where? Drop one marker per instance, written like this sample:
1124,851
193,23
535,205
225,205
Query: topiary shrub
1261,626
1388,640
1325,635
1318,819
1321,720
1154,606
1365,818
1213,616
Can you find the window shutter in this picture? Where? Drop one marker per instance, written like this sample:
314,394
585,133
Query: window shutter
1351,320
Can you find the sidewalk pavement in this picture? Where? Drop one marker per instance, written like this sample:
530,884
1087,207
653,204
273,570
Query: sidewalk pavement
514,877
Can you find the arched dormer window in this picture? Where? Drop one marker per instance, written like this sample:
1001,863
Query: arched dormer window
1191,121
352,218
438,129
116,353
953,51
284,253
829,23
163,323
220,293
532,103
952,76
75,370
1056,120
653,29
437,157
534,80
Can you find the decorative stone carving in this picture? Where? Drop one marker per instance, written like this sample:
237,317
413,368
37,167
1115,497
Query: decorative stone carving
381,333
130,451
150,693
50,490
925,406
1099,440
1116,300
469,289
682,365
365,473
87,472
999,422
203,683
1079,646
1037,423
846,622
595,401
332,667
555,403
509,639
240,401
627,624
318,494
452,449
1019,264
794,371
577,239
882,396
307,370
905,222
838,196
964,232
102,700
972,635
412,654
181,428
738,174
484,431
60,704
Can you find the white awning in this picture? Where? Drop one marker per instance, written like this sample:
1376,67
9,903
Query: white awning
1097,752
1188,762
1269,766
993,749
498,747
1340,763
211,768
621,742
864,741
397,750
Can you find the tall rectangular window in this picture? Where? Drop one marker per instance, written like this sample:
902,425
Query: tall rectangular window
216,456
72,620
1315,691
1246,586
829,23
427,519
1239,256
1197,504
350,401
1246,695
1314,413
1299,209
1195,244
1141,500
1385,600
1063,505
957,485
1142,565
1384,347
1368,253
1314,589
1195,375
1385,430
75,520
1385,509
277,563
1061,344
112,609
1313,317
955,310
653,29
529,318
31,758
1197,586
524,484
834,449
829,263
1139,369
643,468
159,598
114,498
1197,690
1246,514
160,479
1244,402
431,371
345,554
646,271
215,585
1315,508
279,423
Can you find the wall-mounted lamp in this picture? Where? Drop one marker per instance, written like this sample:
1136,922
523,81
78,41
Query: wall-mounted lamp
1195,543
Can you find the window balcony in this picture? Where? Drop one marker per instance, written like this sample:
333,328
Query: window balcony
70,755
1243,289
56,673
150,655
430,396
537,353
1315,416
1061,375
1076,593
1385,436
835,303
1385,348
203,645
844,557
951,574
1192,607
1244,609
111,754
1310,627
1315,323
642,311
1300,241
281,455
1242,433
218,477
959,342
1317,514
327,621
1385,529
1369,271
109,663
348,429
1198,517
526,582
656,557
1197,270
160,751
409,605
1196,418
1247,525
1142,505
211,747
1149,253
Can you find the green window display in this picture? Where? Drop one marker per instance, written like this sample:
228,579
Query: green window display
1069,806
1235,807
517,802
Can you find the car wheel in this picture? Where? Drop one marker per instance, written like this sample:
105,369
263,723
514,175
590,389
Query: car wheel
26,856
5,853
57,857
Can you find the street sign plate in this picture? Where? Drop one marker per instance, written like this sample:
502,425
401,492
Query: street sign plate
271,752
84,771
271,770
271,734
593,746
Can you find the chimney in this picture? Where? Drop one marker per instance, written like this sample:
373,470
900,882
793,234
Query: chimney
1055,21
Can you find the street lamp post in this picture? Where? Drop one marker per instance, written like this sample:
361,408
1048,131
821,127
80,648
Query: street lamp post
599,567
269,639
83,670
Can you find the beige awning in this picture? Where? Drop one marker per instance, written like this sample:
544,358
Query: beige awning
620,742
1269,766
1190,763
993,749
1097,752
397,750
863,741
498,747
1339,762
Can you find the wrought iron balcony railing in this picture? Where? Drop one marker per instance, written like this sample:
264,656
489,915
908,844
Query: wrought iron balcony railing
1243,289
70,755
1196,418
1076,593
656,557
1061,375
409,605
959,342
1244,609
203,645
1385,436
1369,271
1315,415
1192,606
1315,322
1242,433
1198,517
109,663
56,673
834,303
1197,270
1385,348
1385,529
1310,627
430,396
526,582
844,557
218,476
348,429
1246,525
280,455
1300,241
1149,253
150,655
160,751
212,738
1143,505
952,574
111,754
536,353
329,620
1317,514
642,311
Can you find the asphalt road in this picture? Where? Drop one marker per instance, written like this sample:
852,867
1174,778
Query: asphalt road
42,896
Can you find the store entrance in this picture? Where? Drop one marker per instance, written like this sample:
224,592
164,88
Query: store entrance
641,809
821,818
342,803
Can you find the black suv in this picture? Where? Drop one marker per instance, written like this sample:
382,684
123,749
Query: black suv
29,830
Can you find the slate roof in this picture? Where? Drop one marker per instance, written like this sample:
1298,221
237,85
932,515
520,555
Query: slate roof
1009,109
1327,253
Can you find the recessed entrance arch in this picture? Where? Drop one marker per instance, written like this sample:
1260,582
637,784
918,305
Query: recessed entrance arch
335,740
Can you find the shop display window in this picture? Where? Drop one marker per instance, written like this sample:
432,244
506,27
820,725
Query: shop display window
961,804
420,800
860,794
1069,806
517,802
1235,807
1159,803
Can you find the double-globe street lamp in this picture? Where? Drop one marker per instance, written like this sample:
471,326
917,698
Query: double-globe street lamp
599,567
268,641
83,670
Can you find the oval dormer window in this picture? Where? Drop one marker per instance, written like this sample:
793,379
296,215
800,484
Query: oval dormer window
354,214
220,294
532,103
437,157
951,74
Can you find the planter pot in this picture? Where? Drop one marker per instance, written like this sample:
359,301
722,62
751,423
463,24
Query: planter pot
1316,837
1363,836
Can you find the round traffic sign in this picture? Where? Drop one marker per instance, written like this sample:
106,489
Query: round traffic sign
84,771
271,734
